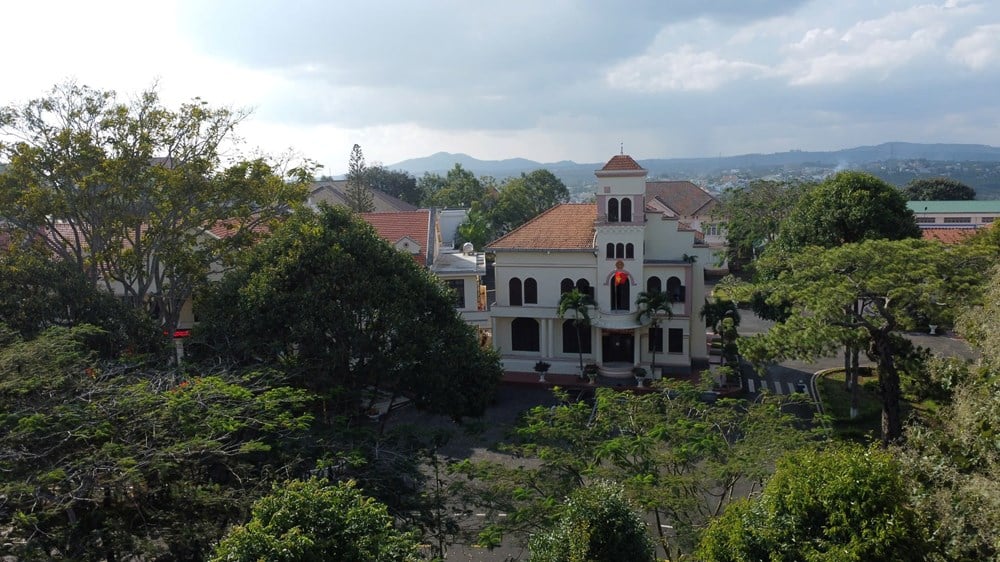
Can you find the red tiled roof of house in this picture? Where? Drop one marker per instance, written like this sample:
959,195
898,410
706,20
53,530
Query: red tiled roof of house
684,197
569,226
620,163
394,226
947,235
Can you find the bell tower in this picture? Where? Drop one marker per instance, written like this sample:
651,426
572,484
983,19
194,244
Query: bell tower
620,229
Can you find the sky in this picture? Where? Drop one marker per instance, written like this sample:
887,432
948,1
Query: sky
545,80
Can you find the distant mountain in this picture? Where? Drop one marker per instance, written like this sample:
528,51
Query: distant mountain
441,162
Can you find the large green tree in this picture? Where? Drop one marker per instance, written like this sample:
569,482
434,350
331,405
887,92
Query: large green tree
680,458
938,189
753,217
341,310
845,503
597,524
358,192
522,198
654,307
317,520
127,190
102,460
848,207
394,182
458,188
868,291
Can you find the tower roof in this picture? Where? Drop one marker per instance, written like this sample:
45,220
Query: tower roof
621,163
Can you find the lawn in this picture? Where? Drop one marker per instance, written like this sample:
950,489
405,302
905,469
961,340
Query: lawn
836,400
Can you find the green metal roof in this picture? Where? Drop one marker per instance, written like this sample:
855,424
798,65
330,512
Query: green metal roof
992,206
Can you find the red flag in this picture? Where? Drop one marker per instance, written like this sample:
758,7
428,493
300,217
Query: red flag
620,277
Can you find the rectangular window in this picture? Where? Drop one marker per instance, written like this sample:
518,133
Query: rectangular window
926,220
955,220
675,340
458,286
987,220
656,340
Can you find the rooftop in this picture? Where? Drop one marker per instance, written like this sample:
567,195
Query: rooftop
975,206
569,226
683,197
621,163
947,235
395,226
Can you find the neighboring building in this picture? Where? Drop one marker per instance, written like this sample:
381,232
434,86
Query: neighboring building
955,214
632,239
333,192
691,205
419,233
947,235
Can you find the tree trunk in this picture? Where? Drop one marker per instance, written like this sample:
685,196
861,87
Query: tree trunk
855,373
892,425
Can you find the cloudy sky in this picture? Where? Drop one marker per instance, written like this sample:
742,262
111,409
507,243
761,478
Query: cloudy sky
545,80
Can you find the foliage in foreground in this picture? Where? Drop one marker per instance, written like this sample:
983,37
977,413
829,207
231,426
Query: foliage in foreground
680,459
597,524
112,458
317,520
843,503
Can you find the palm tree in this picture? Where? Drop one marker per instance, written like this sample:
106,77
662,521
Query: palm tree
578,303
654,305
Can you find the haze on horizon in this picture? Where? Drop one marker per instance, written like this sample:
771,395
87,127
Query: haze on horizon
547,81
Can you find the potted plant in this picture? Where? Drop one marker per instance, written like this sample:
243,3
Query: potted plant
591,370
640,375
541,368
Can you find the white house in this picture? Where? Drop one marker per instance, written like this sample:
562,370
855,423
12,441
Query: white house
955,214
626,242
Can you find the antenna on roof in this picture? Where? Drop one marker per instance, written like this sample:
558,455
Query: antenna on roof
623,149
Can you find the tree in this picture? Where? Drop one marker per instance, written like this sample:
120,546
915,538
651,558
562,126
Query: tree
869,290
845,503
393,182
358,193
37,293
597,524
475,229
127,192
753,217
108,458
654,306
938,189
331,303
316,520
723,316
578,304
523,198
847,207
459,188
679,458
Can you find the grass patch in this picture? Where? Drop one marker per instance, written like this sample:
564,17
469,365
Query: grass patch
836,400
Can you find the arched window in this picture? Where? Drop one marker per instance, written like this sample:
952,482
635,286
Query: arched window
653,285
611,250
626,210
612,210
515,292
629,251
584,287
619,250
530,291
524,334
620,295
576,339
675,290
565,286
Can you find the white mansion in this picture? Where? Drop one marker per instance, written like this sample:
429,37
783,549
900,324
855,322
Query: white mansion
624,243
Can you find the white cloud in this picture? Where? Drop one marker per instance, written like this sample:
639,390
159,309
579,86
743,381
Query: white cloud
980,49
685,69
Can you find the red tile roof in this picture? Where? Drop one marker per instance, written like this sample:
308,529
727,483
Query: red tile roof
620,163
569,226
395,226
684,197
947,235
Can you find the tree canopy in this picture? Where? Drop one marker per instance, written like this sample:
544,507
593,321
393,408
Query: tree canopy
848,207
753,217
317,520
458,188
844,503
938,189
358,193
331,303
126,191
869,290
398,184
